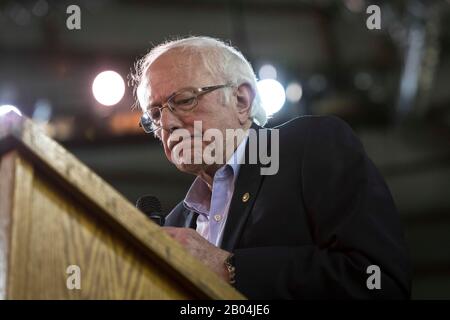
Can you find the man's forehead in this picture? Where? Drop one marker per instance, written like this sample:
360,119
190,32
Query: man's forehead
168,78
171,65
161,86
171,72
162,83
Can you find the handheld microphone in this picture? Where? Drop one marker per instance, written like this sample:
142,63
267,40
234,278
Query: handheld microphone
151,207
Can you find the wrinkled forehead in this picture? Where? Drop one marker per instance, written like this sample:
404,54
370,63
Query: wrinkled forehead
172,71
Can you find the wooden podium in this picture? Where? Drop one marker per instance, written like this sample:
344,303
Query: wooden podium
55,213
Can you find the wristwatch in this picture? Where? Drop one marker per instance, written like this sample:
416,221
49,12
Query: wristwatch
229,264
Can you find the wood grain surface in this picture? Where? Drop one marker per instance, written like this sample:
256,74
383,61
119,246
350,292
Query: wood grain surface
63,213
7,163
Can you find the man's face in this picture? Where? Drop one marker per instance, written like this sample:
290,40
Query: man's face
173,71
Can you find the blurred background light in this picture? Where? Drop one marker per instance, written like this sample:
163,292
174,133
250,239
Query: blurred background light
108,88
5,108
363,81
354,6
272,95
40,8
294,92
20,15
317,83
267,71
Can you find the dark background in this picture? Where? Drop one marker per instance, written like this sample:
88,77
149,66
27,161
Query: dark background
391,85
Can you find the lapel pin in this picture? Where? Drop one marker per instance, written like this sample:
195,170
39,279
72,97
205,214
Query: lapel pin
245,197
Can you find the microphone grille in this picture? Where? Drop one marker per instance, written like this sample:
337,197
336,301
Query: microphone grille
149,204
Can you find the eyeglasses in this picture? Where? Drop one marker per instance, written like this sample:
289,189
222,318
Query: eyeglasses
180,102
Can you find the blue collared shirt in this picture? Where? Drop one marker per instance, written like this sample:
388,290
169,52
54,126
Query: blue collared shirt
213,205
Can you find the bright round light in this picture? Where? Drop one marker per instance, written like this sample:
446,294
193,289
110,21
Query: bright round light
4,109
272,95
294,92
267,71
108,88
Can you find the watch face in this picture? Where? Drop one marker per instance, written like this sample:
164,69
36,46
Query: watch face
229,263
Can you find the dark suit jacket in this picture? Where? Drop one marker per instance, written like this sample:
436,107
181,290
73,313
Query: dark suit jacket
312,229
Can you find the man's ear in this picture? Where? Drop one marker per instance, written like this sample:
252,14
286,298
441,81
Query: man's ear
245,95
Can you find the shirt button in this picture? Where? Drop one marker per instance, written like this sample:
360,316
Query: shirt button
217,217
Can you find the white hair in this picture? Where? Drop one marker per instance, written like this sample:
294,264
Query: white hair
220,60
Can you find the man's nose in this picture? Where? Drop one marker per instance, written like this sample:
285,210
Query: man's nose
169,121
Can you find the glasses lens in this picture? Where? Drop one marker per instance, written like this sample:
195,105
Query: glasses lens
146,123
154,114
184,100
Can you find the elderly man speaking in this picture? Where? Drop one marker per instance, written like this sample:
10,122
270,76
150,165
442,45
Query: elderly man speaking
324,225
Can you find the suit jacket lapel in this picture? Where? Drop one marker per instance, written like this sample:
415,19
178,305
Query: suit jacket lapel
246,189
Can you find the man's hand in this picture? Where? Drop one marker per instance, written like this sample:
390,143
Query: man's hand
212,256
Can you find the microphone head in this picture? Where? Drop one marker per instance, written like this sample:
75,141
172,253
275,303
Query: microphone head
148,204
151,207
